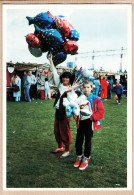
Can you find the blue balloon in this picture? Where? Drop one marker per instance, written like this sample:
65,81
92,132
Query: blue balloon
43,20
52,37
74,35
69,111
58,57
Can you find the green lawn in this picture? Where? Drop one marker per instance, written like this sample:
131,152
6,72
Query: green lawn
30,140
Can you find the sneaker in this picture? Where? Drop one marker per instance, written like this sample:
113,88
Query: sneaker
65,156
78,161
84,163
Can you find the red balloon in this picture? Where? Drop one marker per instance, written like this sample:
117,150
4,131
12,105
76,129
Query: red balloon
33,41
70,47
62,25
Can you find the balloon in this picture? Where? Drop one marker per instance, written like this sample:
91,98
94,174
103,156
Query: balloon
69,111
73,35
85,112
58,57
43,20
33,41
44,47
62,25
52,37
70,47
35,51
52,34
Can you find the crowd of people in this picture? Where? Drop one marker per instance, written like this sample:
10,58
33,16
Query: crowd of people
27,87
105,86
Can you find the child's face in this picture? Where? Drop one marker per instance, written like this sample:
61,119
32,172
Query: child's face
87,89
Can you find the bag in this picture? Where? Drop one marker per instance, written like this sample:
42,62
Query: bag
16,88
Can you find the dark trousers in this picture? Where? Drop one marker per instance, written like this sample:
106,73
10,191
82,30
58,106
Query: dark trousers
33,91
84,132
119,97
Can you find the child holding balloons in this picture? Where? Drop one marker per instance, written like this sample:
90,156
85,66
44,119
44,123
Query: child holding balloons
62,122
87,124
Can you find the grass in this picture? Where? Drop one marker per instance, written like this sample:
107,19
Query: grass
30,140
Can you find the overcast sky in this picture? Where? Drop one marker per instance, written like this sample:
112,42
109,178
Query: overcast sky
100,27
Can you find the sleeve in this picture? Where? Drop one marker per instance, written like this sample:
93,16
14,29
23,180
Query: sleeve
98,115
55,76
16,82
28,80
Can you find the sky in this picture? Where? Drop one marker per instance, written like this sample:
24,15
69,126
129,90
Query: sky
101,27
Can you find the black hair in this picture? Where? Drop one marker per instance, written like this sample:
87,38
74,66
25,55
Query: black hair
46,79
69,75
15,73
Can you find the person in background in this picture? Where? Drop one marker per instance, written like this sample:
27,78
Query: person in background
119,91
33,87
16,84
47,89
104,85
24,78
110,87
125,86
97,86
27,85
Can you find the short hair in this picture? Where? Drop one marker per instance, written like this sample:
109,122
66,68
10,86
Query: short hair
88,82
69,75
46,79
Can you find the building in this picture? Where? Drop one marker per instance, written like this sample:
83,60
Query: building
70,64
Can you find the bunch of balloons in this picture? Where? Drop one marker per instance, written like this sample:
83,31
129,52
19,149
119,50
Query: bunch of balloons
81,75
52,34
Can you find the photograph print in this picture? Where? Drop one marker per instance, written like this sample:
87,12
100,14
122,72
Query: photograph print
67,90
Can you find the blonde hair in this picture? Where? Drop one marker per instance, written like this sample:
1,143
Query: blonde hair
88,82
